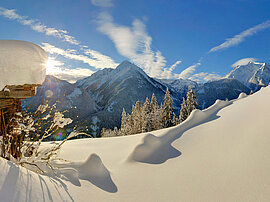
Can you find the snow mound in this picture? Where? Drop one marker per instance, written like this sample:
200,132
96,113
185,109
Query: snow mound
242,95
70,174
93,170
157,150
154,150
21,62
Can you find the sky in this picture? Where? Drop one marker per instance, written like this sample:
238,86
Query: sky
200,40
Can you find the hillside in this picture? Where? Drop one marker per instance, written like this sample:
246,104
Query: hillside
218,154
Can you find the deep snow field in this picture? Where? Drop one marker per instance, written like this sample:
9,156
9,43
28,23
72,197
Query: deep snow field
218,154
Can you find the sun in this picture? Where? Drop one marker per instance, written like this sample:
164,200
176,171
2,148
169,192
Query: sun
53,66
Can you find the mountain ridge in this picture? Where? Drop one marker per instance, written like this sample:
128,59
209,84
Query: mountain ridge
100,98
254,75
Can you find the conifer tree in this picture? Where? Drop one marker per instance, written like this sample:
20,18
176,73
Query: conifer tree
174,120
183,111
191,102
146,116
167,110
103,132
129,128
155,116
124,123
137,117
115,131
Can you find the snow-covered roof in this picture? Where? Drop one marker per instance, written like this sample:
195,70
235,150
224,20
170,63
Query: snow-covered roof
21,62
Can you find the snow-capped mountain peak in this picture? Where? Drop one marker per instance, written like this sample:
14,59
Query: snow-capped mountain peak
254,75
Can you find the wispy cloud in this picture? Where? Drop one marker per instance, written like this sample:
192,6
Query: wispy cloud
167,73
204,77
96,60
133,43
102,3
38,26
241,37
91,57
188,71
243,61
58,69
175,65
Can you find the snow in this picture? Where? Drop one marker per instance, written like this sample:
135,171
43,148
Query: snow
42,108
60,121
251,73
218,154
21,62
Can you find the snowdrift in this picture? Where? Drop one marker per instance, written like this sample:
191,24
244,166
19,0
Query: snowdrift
218,154
21,62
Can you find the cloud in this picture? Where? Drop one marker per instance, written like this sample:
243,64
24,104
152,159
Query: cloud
133,43
188,71
56,68
241,37
90,57
102,3
96,60
175,65
243,61
38,26
204,77
72,75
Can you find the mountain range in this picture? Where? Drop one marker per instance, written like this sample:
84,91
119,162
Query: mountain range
98,100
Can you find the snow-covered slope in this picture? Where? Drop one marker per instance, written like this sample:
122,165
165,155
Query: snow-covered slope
254,75
218,154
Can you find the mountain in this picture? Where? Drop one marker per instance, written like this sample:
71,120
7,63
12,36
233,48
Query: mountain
209,92
115,89
254,75
98,100
64,96
221,89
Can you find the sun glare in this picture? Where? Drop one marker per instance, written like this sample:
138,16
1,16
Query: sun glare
53,66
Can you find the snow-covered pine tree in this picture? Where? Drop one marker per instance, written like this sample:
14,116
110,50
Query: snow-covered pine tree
183,111
174,120
167,110
103,132
123,129
129,128
192,102
155,116
146,116
137,117
115,131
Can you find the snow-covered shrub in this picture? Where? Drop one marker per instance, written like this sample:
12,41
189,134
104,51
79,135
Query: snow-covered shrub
29,130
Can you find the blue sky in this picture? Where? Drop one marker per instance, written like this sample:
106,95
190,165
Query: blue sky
195,39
